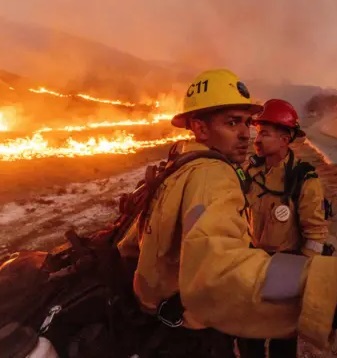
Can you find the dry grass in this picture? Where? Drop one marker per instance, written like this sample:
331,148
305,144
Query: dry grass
21,179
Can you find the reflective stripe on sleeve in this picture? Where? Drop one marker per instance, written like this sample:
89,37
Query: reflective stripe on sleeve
314,246
192,217
283,278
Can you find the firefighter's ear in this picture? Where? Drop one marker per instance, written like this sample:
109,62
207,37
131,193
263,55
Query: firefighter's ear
285,138
200,129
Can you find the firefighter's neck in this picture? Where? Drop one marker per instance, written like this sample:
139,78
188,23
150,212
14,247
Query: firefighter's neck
275,159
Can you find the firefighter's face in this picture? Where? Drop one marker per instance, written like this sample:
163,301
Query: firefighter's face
270,140
227,131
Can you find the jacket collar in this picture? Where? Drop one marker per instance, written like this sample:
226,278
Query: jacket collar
280,164
192,145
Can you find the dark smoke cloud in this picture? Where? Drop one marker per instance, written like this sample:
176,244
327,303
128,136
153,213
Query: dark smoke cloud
291,41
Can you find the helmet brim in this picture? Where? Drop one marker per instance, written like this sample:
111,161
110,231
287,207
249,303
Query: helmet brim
299,133
180,120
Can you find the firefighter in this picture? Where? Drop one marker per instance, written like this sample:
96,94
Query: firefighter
195,269
287,212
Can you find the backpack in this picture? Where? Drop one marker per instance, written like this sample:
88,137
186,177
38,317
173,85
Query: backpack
54,295
79,296
295,176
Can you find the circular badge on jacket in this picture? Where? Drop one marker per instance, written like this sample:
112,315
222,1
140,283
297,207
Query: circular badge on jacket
282,213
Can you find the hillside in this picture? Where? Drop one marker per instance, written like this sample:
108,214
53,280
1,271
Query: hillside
69,62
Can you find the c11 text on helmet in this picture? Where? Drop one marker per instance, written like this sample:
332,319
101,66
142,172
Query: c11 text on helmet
191,91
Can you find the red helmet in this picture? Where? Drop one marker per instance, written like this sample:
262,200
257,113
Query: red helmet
281,113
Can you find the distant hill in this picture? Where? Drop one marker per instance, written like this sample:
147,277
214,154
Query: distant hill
297,95
69,62
302,97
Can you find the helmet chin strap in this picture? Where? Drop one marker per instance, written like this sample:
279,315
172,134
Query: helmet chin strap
293,133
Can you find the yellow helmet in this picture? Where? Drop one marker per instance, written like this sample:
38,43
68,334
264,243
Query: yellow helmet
212,90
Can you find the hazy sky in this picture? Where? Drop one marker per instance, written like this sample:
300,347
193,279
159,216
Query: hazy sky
293,40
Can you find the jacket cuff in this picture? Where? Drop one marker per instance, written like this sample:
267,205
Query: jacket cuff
319,301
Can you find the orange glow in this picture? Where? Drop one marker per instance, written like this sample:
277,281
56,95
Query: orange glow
8,117
3,123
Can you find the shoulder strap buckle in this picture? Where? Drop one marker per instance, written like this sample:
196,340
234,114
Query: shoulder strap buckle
167,321
170,311
256,161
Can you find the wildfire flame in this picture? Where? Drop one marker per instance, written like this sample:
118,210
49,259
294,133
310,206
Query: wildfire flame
106,124
43,90
94,99
38,147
